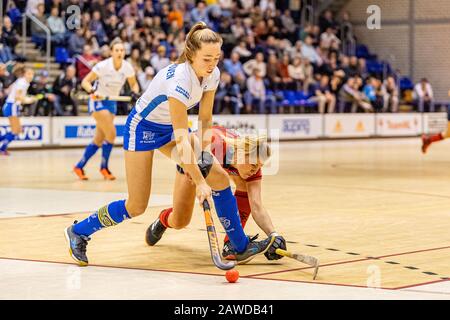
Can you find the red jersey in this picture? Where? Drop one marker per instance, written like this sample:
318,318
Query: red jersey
221,151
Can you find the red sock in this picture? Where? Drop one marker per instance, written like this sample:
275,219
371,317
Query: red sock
436,137
164,217
243,207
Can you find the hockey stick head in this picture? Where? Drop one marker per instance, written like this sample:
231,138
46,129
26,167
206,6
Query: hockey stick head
213,242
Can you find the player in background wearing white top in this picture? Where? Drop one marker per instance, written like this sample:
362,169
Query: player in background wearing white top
111,75
11,108
160,121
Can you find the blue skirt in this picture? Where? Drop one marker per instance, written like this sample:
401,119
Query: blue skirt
144,135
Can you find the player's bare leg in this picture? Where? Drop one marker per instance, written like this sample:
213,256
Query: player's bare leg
105,121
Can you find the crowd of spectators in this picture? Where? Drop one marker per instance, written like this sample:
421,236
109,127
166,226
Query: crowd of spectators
266,53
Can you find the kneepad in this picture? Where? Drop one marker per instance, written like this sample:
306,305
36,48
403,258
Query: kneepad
279,243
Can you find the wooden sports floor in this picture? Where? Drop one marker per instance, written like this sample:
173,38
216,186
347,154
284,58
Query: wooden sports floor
376,213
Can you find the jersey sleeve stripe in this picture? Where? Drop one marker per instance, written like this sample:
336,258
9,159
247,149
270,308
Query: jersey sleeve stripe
152,105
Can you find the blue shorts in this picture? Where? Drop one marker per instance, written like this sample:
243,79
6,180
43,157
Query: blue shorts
144,135
10,109
94,106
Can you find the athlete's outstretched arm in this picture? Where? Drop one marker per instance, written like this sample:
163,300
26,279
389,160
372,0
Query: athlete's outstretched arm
205,118
86,84
259,213
179,119
133,84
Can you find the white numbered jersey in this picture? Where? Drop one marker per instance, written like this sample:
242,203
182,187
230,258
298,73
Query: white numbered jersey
110,80
178,81
19,85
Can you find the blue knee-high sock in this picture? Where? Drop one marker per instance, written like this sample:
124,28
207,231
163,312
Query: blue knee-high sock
7,138
227,210
106,152
107,216
90,150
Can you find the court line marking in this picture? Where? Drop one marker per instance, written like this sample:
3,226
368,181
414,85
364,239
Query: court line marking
432,292
350,261
191,272
374,189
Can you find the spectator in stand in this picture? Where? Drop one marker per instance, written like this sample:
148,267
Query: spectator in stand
353,67
32,6
56,26
237,29
105,52
256,93
391,95
63,86
130,10
91,40
159,60
308,71
76,42
38,34
328,38
336,82
200,13
233,66
295,71
144,78
176,15
41,85
309,52
283,70
228,95
423,96
350,95
149,10
97,28
323,95
289,27
295,50
372,90
273,72
9,34
326,21
112,27
135,60
86,62
256,63
242,51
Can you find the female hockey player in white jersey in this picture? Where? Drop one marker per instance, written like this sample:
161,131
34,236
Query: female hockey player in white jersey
111,75
11,108
160,121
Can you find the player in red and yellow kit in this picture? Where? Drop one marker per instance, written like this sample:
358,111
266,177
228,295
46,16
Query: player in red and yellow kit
242,157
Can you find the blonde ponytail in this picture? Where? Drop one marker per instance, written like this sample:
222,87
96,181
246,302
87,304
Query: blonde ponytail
199,34
253,146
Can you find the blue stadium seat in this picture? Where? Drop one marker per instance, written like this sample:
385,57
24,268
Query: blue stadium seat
406,84
62,55
15,15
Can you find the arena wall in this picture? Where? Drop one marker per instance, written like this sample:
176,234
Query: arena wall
413,37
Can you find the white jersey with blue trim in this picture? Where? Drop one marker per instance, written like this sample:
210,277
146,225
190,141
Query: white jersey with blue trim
110,80
20,84
178,81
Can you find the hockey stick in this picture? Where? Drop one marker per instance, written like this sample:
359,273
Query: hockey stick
213,243
309,260
113,98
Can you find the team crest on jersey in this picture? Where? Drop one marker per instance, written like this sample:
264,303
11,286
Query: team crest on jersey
148,135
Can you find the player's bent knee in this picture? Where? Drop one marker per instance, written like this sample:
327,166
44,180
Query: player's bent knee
135,209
